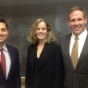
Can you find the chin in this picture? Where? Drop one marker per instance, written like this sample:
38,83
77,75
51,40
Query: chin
41,38
1,41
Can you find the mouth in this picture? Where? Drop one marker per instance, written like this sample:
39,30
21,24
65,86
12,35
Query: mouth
77,28
1,37
40,35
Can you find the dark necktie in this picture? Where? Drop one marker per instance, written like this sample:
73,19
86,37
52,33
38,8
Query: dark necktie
3,62
74,55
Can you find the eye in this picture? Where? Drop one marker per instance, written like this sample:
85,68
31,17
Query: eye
72,20
38,28
43,28
3,29
79,19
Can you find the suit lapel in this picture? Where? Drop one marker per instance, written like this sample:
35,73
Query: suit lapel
2,72
33,54
12,60
67,44
83,53
44,53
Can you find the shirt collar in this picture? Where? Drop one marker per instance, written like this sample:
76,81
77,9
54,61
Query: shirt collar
82,35
5,48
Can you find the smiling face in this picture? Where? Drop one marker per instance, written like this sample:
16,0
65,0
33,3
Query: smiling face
77,22
41,31
3,33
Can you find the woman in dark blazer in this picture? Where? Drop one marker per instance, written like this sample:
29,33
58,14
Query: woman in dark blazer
44,58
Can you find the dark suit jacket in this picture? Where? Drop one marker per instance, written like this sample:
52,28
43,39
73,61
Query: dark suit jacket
77,78
50,66
13,79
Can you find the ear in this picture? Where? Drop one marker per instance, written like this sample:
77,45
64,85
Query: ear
68,23
8,31
85,20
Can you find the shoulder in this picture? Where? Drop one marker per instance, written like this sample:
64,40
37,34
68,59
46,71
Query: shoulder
64,38
54,46
12,50
55,49
9,47
31,46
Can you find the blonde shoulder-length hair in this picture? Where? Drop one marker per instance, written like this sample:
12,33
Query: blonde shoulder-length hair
32,38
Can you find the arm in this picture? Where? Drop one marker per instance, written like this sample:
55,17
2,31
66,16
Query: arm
59,70
27,75
17,71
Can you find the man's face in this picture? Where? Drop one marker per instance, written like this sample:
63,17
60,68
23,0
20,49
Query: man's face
77,22
3,33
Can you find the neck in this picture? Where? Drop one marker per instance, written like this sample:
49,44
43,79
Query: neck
42,42
1,46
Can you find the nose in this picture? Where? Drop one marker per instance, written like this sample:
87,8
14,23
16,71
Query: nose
76,22
40,30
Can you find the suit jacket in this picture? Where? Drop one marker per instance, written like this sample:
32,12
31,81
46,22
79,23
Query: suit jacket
50,71
13,80
78,77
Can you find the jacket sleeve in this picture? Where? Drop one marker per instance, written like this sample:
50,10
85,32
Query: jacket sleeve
59,69
27,75
17,71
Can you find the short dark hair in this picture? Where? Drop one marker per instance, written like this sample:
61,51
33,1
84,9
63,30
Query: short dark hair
3,21
77,8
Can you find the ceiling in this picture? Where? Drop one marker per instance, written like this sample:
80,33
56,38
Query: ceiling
24,2
32,7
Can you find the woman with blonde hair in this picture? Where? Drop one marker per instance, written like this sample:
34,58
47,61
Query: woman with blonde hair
44,59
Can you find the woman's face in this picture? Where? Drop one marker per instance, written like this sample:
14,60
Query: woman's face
41,31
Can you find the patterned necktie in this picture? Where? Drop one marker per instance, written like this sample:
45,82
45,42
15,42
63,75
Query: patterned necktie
74,55
3,62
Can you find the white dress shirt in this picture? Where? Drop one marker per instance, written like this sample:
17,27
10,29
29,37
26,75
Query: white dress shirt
7,58
81,41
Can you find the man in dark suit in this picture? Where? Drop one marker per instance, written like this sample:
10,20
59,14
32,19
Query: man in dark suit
76,76
9,58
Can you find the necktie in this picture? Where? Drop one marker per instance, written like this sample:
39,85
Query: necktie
3,62
74,55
